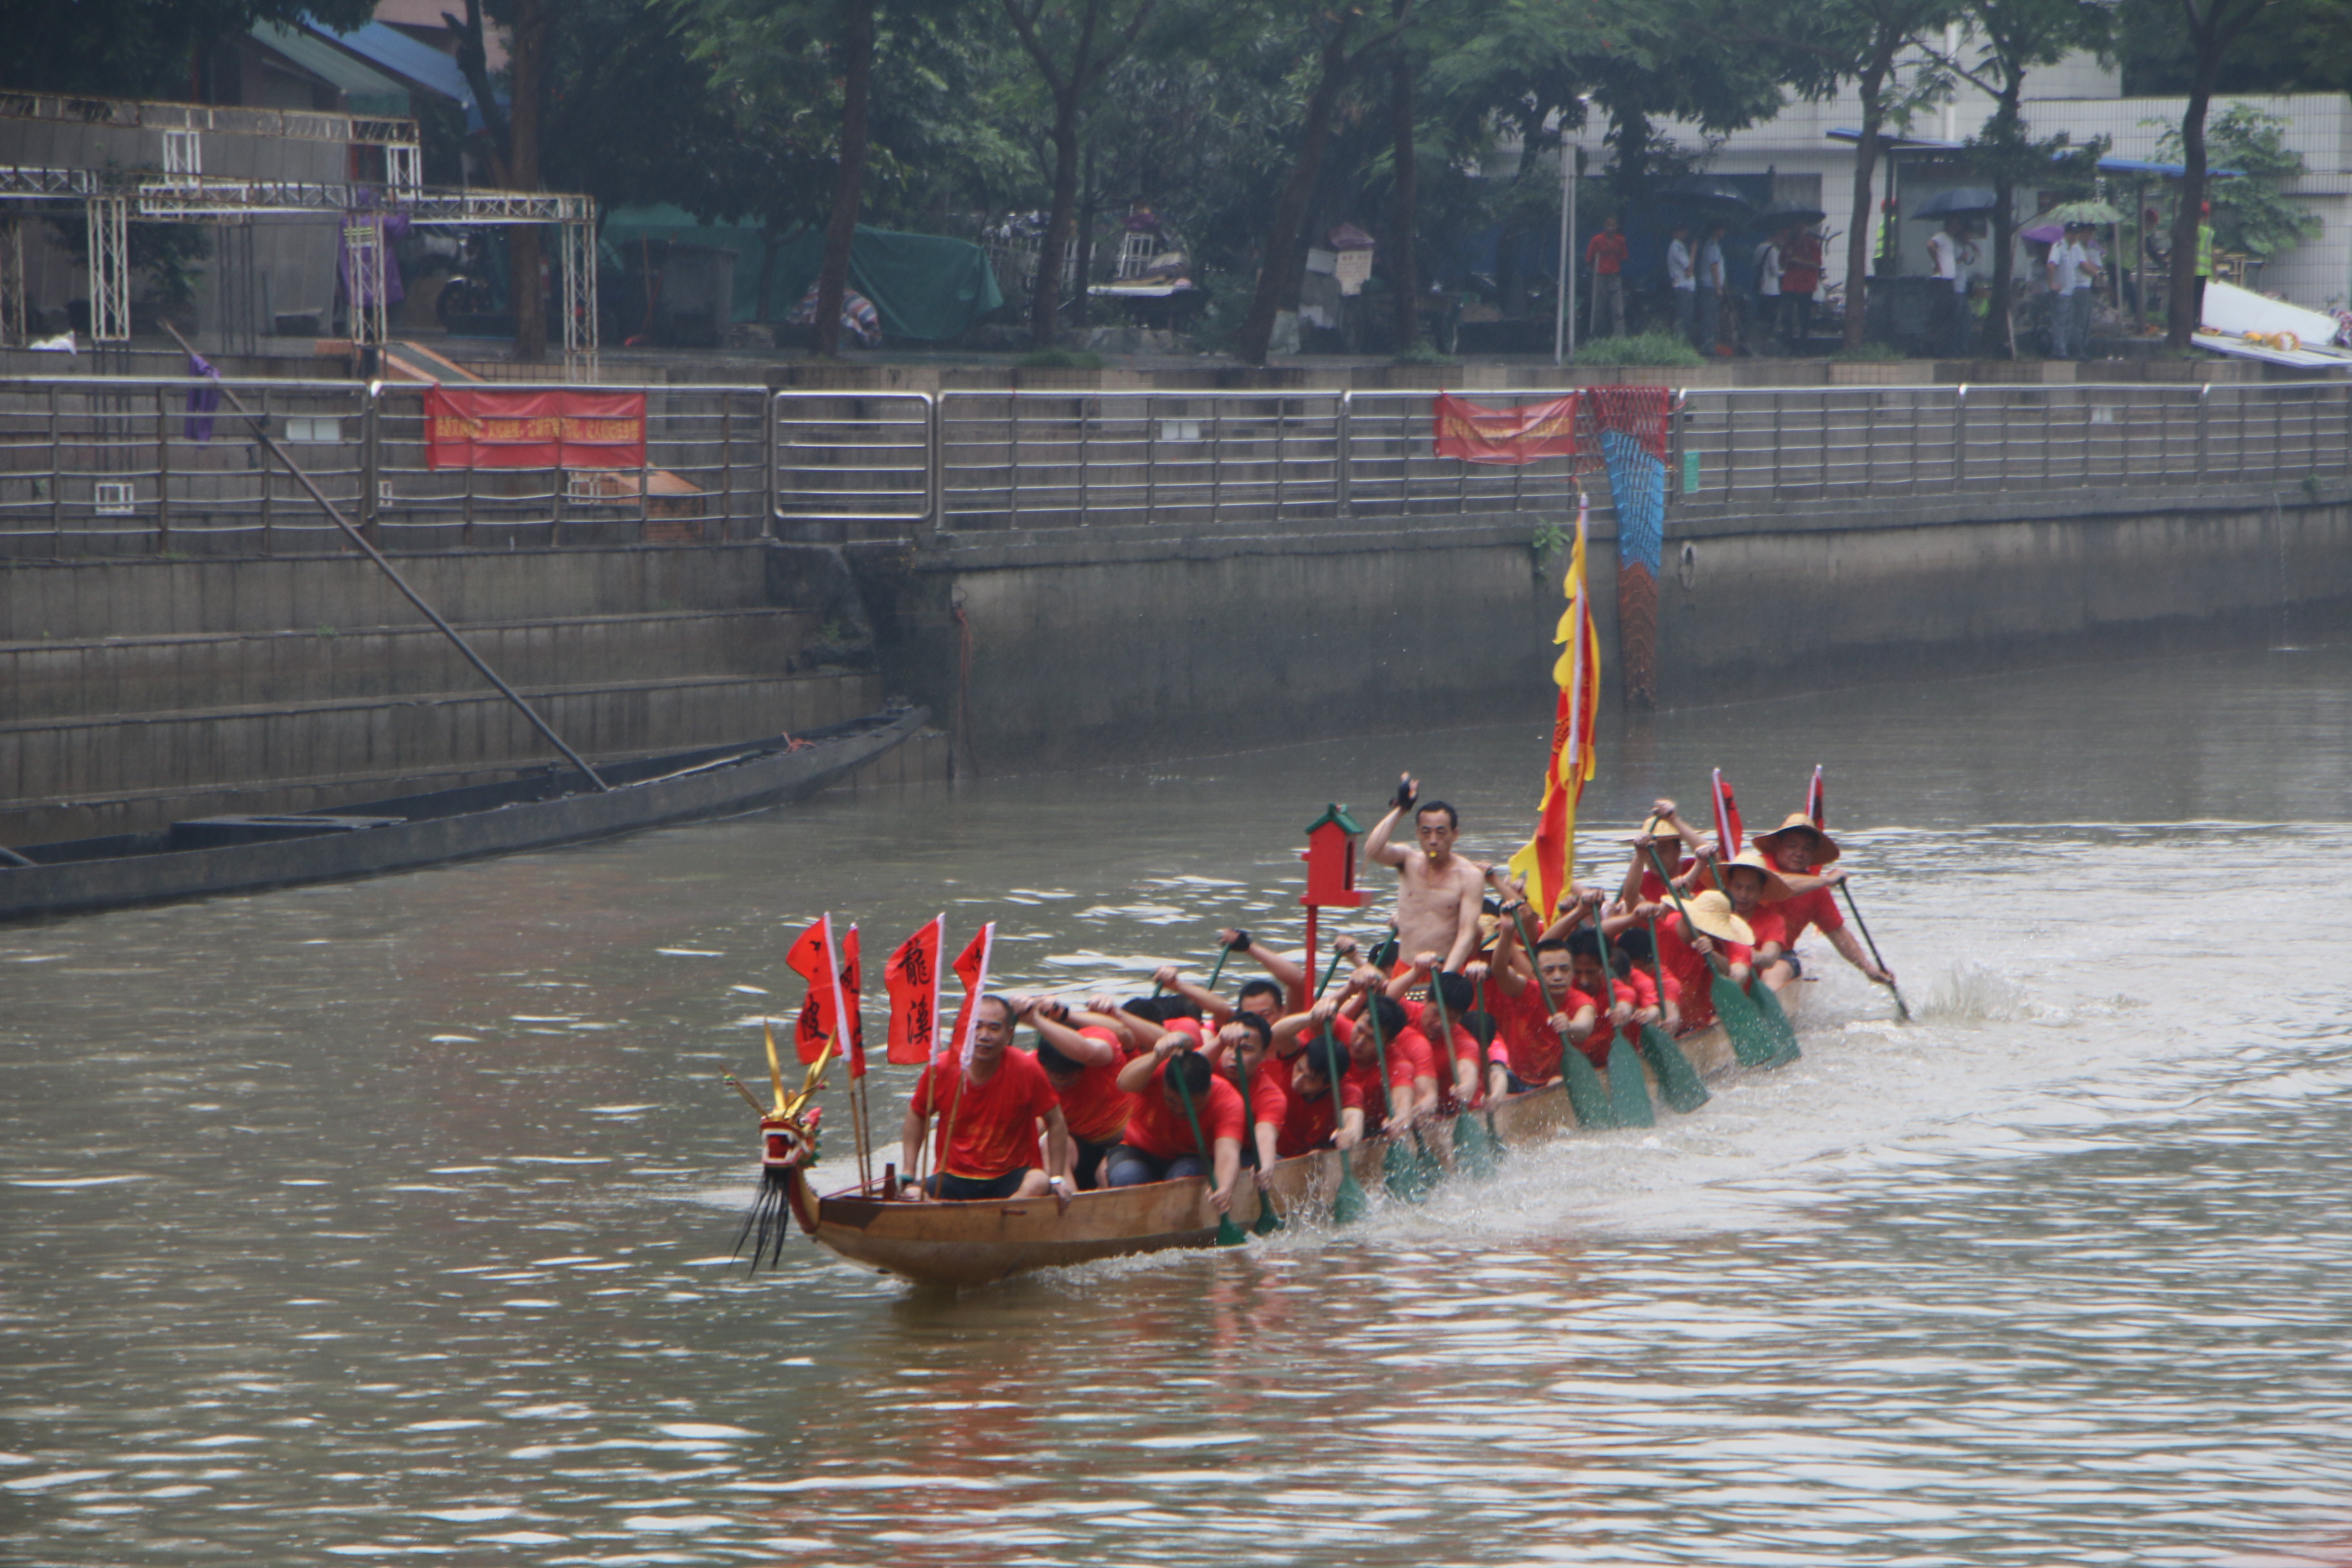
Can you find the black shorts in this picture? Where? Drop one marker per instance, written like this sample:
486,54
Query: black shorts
1086,1163
966,1189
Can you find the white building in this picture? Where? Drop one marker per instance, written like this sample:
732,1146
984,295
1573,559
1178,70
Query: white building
1802,152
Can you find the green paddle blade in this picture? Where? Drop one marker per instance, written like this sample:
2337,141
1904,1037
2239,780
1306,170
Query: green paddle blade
1427,1170
1587,1095
1679,1081
1228,1233
1398,1173
1349,1204
1752,1040
1496,1147
1472,1153
1768,1007
1267,1222
1629,1094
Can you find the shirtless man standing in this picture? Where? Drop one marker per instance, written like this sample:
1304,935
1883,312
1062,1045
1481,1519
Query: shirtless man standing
1438,891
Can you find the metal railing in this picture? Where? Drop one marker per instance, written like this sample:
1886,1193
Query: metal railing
105,465
97,464
1737,450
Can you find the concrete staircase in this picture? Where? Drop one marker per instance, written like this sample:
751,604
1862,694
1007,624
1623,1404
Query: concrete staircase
136,693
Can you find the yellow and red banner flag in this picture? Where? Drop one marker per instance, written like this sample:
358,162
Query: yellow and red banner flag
911,977
1547,864
1476,434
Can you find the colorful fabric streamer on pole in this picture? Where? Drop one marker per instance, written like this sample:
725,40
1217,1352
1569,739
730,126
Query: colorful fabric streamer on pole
1548,862
1633,422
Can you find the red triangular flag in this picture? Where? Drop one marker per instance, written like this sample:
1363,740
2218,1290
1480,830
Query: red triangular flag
850,1003
1727,817
911,977
811,958
972,968
1817,805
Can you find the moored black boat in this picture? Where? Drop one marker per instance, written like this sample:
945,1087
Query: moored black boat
559,805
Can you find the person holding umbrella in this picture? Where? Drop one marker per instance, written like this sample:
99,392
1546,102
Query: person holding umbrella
1681,280
1950,250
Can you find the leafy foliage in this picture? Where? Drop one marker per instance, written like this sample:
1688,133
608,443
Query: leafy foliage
2252,214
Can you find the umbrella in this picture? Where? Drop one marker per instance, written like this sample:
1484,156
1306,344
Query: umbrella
2043,234
1716,202
1968,201
2084,212
1781,213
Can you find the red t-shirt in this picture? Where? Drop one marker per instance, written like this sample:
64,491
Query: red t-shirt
1424,1016
1269,1097
1311,1124
1524,1039
1689,971
1595,1046
1159,1130
1771,930
1094,1105
1606,251
1803,273
1364,1078
996,1127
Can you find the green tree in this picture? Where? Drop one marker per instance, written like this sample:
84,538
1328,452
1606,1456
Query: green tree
138,48
2205,30
2253,213
2012,37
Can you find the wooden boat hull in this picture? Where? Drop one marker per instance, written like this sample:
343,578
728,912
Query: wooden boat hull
966,1244
535,812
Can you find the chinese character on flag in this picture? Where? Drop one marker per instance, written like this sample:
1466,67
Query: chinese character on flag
911,977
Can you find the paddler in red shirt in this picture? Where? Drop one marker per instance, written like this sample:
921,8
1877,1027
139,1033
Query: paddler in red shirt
1242,1051
1803,854
1459,1065
1635,967
1159,1145
1543,1011
1715,931
986,1147
1611,999
1413,1062
1324,1110
1082,1053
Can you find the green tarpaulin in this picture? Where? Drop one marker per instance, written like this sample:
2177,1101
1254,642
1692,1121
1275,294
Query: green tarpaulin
924,287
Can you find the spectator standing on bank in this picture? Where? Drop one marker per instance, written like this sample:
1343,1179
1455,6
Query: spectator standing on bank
2063,271
1710,289
1799,281
2204,259
1769,266
1605,254
1946,249
2088,278
1681,280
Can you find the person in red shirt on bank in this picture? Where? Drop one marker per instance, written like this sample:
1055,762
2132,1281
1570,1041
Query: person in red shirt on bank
1082,1053
986,1146
1799,852
1324,1110
1159,1145
1605,254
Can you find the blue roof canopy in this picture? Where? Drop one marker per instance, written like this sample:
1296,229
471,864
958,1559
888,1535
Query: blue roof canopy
2107,165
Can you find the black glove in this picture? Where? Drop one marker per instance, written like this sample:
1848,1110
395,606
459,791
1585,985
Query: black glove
1241,943
1407,792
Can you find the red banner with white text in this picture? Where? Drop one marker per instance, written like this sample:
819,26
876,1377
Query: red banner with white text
1476,434
481,427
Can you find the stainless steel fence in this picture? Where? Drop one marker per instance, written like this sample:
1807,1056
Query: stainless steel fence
1737,450
94,464
101,465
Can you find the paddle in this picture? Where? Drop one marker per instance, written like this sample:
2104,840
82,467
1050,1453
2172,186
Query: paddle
1268,1221
1349,1203
1586,1096
1902,1012
1685,1090
1399,1171
1629,1094
1752,1040
1228,1233
1471,1150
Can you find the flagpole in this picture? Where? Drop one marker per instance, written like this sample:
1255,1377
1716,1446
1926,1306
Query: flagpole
966,1021
840,1036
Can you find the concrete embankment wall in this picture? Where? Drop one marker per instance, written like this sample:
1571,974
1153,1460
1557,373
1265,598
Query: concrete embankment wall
1071,647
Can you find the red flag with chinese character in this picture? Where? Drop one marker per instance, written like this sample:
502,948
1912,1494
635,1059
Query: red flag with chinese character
811,958
852,982
1476,434
972,968
1726,816
1817,805
911,977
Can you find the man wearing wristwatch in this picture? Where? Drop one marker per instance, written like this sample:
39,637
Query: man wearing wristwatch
987,1147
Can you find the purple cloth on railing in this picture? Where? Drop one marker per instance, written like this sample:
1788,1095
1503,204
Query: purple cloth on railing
201,400
389,226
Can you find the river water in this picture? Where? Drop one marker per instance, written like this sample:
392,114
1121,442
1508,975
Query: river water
391,1220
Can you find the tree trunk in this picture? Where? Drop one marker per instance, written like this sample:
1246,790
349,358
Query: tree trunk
1045,296
849,180
1283,269
1865,165
2001,320
2181,318
1089,198
767,271
525,65
1404,278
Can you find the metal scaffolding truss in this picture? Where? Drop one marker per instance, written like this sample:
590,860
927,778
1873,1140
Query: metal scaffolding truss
128,113
200,198
45,185
110,269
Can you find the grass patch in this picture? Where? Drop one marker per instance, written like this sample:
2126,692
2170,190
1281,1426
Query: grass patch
1642,348
1061,359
